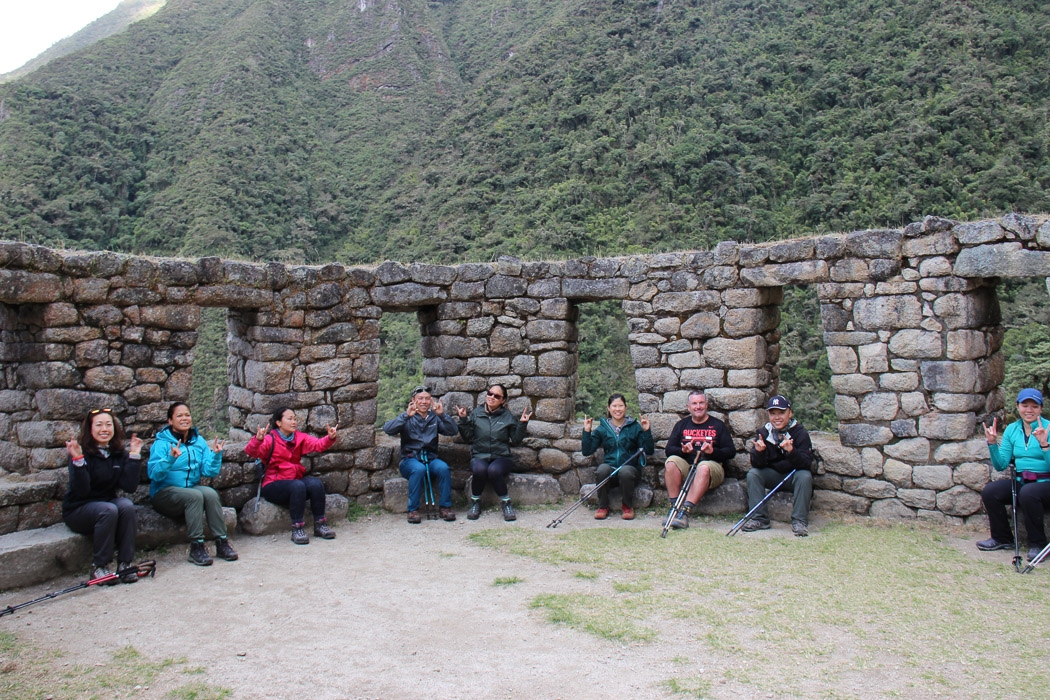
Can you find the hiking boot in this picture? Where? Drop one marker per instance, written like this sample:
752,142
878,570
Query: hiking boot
128,572
413,517
448,515
681,522
799,528
1033,552
223,550
199,555
508,511
98,572
475,509
754,525
299,535
323,531
601,514
628,513
991,544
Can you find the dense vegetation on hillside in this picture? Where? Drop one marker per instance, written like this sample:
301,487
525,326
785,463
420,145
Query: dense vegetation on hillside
458,130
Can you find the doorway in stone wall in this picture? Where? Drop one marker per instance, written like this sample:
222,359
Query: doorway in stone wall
805,373
604,354
208,391
400,362
1024,305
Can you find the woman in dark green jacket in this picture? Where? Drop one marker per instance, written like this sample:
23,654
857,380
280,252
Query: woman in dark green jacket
620,436
491,429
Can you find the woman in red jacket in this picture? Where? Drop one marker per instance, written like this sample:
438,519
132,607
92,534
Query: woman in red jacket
285,482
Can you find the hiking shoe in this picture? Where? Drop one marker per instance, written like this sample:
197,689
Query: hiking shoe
323,531
475,509
754,525
601,514
681,522
508,511
127,572
223,550
991,544
628,513
199,555
98,572
413,517
1033,552
448,515
299,536
799,528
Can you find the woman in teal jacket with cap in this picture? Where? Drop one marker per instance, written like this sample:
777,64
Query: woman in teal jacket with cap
620,436
1025,444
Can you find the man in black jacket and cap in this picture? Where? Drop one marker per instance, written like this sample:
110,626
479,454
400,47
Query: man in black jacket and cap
780,446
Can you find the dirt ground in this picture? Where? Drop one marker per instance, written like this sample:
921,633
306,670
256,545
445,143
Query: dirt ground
386,610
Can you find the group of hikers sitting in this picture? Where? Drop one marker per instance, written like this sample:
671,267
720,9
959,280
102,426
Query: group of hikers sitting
103,461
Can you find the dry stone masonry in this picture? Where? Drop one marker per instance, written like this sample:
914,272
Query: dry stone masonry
910,316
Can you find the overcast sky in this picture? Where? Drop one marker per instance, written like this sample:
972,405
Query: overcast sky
28,27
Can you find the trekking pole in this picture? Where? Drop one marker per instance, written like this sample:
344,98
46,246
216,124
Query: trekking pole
679,502
1038,558
736,528
146,568
1017,543
429,504
571,509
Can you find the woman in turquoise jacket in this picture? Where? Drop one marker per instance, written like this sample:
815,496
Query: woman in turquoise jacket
620,436
1025,444
178,459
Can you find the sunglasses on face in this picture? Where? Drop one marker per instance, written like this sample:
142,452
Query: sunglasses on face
494,394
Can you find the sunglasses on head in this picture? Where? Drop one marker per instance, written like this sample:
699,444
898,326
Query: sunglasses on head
96,411
421,390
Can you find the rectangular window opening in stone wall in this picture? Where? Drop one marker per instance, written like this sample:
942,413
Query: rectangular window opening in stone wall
400,362
208,401
1025,311
804,374
604,359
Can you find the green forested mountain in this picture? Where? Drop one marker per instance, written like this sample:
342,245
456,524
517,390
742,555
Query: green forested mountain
461,129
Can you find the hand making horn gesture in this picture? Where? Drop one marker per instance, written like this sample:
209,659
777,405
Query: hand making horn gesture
1040,434
332,429
461,411
787,444
439,408
760,442
588,423
411,410
135,445
261,432
991,434
526,413
644,422
217,445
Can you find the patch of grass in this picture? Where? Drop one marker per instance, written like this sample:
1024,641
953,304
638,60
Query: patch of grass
356,511
694,687
507,580
901,602
29,672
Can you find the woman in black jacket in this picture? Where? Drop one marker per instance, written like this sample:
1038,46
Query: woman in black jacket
491,429
99,464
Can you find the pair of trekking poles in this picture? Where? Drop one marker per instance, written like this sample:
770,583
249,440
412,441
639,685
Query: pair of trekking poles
1017,561
141,570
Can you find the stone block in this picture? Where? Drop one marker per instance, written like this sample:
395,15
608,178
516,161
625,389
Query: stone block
728,353
879,406
410,295
972,310
807,272
959,451
504,287
156,530
681,303
918,498
554,461
684,360
899,381
890,509
897,473
852,384
937,477
863,434
835,457
872,358
949,376
70,404
869,488
972,474
730,497
847,408
594,290
746,422
743,322
978,232
838,502
843,360
34,556
270,519
947,426
887,312
958,501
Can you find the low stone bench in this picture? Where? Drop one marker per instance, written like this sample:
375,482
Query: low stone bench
524,490
271,519
37,555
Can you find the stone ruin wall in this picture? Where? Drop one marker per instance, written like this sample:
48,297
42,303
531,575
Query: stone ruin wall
910,317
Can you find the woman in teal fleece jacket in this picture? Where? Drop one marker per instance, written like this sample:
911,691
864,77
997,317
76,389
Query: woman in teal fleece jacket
620,436
178,459
1025,443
